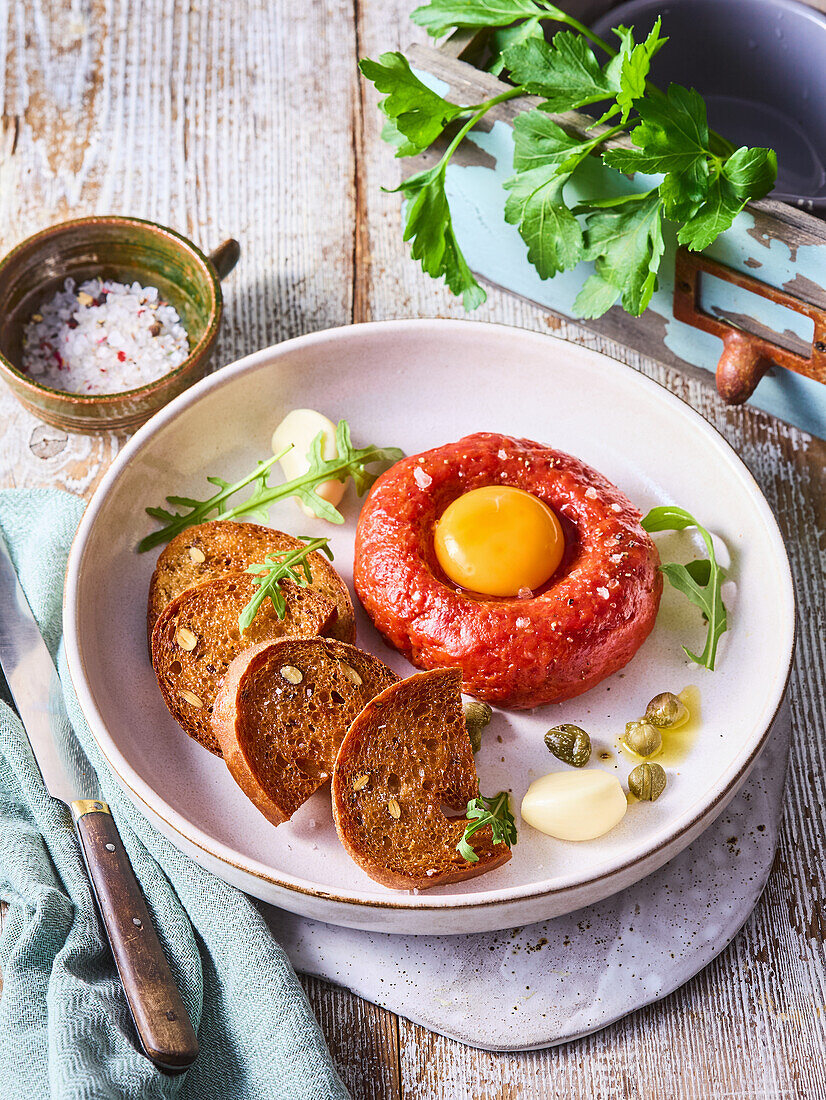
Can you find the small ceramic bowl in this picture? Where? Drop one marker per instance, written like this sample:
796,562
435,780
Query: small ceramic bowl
125,249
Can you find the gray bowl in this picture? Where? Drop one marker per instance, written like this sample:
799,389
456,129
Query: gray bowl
761,67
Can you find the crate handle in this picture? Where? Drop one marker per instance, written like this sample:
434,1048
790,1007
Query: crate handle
746,356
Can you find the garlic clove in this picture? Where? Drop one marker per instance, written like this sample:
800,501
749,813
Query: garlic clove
581,805
299,428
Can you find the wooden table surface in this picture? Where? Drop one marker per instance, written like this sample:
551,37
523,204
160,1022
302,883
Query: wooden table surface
247,119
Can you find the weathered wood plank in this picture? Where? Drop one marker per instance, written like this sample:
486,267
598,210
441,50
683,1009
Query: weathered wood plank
363,1040
227,120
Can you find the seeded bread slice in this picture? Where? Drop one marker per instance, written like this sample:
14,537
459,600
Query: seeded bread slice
283,711
196,637
406,755
210,550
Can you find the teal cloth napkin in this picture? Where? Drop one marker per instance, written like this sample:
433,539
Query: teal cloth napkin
65,1030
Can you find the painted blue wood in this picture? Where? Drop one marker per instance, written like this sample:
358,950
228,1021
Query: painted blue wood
495,251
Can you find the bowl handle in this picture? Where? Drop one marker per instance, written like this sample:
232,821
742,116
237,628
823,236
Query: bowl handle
225,257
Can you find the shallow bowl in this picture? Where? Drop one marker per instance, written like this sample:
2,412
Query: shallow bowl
418,384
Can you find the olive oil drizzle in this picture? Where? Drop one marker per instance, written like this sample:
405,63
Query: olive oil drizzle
677,743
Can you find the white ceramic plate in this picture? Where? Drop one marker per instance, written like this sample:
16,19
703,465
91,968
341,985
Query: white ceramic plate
418,384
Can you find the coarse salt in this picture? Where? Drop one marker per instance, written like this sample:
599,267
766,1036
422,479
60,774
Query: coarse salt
106,337
606,595
591,493
422,477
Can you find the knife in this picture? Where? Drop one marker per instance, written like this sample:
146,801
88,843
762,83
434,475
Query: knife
163,1025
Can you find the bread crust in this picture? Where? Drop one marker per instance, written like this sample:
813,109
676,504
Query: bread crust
229,546
412,744
280,739
196,637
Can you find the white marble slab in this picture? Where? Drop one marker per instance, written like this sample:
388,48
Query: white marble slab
551,982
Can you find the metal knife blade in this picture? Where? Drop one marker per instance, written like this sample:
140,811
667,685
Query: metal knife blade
33,681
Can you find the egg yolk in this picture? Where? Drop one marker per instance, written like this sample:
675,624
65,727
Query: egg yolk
499,541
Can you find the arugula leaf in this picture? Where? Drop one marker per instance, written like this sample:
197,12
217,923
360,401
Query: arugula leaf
429,227
441,16
625,241
565,71
417,115
701,580
482,811
287,565
544,157
349,462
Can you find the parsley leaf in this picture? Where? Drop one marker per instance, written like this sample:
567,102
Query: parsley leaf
751,172
538,142
625,241
349,462
546,225
747,174
721,207
672,137
503,37
544,157
417,115
430,229
701,580
564,72
441,16
705,180
482,811
633,63
287,565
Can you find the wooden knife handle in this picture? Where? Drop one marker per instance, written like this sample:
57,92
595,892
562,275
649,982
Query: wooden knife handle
164,1027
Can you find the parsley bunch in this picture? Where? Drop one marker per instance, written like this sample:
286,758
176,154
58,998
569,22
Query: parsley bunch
706,181
483,811
349,462
701,580
287,565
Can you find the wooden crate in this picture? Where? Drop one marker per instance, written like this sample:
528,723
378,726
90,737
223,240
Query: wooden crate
766,276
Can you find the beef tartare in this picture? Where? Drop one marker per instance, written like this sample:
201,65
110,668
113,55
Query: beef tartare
541,646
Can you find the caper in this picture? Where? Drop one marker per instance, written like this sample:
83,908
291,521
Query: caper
666,711
647,782
477,716
570,744
642,738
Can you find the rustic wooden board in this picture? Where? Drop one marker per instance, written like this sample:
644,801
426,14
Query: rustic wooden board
247,119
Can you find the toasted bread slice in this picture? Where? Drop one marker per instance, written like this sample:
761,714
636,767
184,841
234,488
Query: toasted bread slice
196,637
211,550
283,711
406,755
